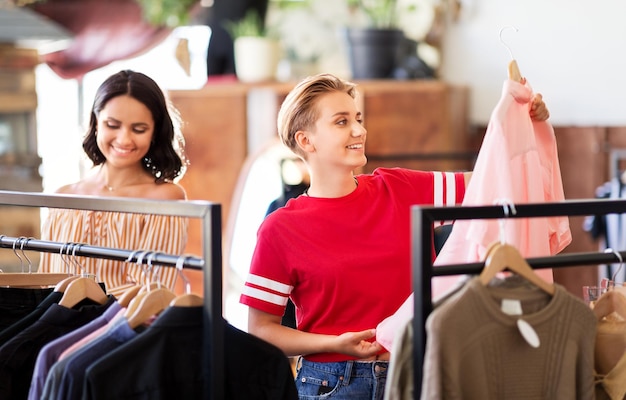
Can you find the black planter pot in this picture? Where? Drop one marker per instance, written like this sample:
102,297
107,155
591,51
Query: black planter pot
374,53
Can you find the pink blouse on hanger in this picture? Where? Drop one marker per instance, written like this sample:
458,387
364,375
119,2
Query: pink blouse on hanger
517,163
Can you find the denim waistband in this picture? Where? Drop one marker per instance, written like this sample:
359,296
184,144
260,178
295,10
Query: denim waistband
354,367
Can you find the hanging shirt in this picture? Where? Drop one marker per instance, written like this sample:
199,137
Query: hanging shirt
29,319
610,359
518,162
151,365
115,333
71,383
18,302
18,355
49,354
92,336
474,350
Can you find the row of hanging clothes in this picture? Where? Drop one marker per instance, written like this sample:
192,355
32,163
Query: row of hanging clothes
76,341
505,332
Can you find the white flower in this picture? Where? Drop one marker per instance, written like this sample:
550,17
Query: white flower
303,36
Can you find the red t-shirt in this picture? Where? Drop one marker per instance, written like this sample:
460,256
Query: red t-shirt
345,262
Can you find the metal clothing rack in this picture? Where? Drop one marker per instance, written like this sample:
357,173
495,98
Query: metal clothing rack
211,261
422,219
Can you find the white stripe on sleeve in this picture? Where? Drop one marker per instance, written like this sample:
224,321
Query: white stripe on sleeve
270,284
264,295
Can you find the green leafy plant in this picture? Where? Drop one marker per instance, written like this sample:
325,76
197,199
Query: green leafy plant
381,13
166,12
249,25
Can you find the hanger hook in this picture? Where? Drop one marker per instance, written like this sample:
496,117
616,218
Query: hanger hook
1,237
130,258
76,246
179,267
16,254
139,261
504,43
509,209
132,255
70,261
30,263
621,263
62,254
156,270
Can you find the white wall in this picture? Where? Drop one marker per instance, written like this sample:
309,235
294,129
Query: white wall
571,51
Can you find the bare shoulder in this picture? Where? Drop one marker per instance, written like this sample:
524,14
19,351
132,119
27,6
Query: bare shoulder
72,188
166,191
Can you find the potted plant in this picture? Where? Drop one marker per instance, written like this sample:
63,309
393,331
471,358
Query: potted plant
256,52
378,47
169,13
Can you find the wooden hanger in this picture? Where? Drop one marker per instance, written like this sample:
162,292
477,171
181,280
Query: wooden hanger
153,303
610,302
129,294
81,289
119,291
514,72
135,301
187,300
62,285
502,256
35,279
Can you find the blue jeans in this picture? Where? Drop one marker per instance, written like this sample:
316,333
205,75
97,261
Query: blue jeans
353,380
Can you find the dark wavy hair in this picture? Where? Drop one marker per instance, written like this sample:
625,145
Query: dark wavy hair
165,159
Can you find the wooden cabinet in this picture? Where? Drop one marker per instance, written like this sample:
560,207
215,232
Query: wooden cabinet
416,124
19,160
214,126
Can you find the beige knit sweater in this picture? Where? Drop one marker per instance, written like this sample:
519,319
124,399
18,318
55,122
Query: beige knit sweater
475,350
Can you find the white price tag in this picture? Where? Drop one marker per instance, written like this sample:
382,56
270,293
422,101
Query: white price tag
528,333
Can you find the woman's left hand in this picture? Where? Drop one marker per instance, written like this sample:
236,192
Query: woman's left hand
538,109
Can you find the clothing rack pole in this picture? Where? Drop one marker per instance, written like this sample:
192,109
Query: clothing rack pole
213,321
210,215
85,250
422,220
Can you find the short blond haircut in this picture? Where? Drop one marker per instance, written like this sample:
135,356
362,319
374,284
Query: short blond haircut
298,111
